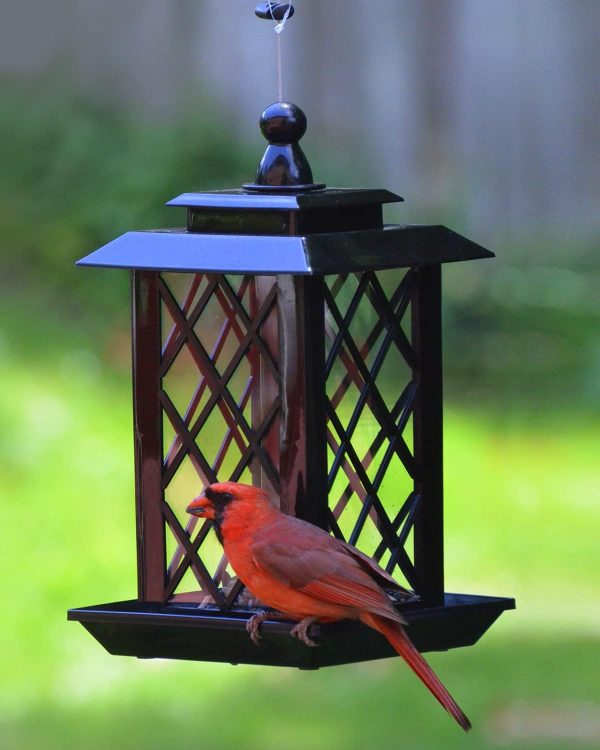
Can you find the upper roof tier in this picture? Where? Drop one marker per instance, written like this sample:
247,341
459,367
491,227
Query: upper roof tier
317,232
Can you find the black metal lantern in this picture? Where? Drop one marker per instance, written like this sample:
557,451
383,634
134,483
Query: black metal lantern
289,339
286,338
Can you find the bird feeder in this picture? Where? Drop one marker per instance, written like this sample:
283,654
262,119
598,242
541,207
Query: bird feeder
286,338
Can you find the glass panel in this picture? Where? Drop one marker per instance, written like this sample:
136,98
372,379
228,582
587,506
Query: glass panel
370,393
221,404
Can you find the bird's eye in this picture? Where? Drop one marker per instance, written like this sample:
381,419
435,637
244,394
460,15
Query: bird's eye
226,497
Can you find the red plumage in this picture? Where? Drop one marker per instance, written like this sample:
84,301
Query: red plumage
308,575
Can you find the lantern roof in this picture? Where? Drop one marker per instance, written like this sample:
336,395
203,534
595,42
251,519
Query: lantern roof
317,232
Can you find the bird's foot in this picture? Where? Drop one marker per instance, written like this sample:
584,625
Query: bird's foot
254,623
253,626
300,631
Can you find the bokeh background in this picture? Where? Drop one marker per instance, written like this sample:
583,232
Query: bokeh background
484,115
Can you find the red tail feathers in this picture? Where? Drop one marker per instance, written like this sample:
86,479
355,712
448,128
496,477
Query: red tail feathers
400,641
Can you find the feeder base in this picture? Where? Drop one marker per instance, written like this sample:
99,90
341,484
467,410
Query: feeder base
184,631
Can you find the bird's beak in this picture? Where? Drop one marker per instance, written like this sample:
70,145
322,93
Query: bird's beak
199,506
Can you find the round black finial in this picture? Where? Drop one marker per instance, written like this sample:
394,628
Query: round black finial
284,167
283,122
274,11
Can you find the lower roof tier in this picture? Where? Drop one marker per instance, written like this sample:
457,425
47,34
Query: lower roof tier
393,246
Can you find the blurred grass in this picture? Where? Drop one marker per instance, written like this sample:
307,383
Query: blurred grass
521,520
522,478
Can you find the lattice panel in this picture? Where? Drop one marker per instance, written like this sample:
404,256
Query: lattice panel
370,400
220,386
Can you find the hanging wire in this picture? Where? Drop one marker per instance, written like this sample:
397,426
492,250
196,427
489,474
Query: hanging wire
279,27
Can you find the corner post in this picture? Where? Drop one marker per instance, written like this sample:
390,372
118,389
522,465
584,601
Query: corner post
428,433
147,426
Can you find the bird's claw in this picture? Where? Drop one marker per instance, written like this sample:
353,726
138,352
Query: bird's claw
300,631
253,626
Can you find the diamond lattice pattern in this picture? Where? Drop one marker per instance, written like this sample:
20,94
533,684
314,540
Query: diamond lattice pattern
370,399
221,407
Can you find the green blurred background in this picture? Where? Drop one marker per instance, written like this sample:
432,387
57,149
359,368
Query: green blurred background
106,112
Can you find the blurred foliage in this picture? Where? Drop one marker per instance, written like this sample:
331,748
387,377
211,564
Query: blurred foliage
523,332
522,329
75,176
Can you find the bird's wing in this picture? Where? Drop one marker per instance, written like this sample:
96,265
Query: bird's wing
378,573
322,567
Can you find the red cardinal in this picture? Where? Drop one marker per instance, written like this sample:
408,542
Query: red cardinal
307,575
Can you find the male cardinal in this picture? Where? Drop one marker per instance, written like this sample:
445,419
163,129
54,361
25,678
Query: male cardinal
307,575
